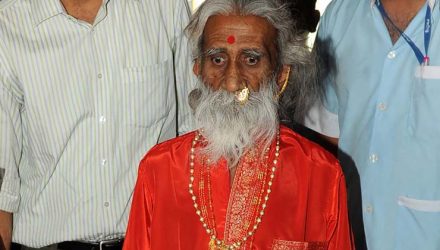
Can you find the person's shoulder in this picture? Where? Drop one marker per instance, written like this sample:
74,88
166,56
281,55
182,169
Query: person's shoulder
309,151
164,152
6,4
171,145
345,6
172,5
14,15
339,14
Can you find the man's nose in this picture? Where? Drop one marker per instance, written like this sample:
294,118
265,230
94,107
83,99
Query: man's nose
232,78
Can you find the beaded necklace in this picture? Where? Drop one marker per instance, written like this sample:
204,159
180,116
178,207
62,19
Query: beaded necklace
214,242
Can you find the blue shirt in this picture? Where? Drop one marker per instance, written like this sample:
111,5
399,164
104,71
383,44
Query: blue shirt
388,115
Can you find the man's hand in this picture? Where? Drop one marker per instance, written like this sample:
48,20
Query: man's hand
5,230
332,140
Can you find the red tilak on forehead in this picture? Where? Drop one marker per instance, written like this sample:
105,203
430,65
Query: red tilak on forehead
231,39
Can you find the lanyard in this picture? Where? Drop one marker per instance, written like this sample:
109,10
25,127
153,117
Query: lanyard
423,59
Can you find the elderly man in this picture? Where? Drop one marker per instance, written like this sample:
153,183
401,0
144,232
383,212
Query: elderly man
241,181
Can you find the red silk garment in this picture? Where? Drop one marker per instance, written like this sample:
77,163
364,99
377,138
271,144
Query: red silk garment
306,208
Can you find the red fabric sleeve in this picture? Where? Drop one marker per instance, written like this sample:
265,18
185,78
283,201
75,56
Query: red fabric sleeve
342,238
138,235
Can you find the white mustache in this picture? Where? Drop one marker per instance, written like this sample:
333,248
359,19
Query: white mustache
230,127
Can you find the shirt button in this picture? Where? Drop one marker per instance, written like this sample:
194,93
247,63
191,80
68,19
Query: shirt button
392,55
102,119
369,208
106,204
99,75
374,158
382,106
103,162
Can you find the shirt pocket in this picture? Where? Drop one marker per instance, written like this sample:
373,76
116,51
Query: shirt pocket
147,92
425,103
298,245
418,224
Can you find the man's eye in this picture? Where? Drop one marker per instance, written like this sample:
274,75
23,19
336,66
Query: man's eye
218,60
251,60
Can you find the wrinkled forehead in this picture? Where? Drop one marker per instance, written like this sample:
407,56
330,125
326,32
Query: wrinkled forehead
231,31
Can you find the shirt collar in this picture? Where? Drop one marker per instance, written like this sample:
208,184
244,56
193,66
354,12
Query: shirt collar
430,2
44,10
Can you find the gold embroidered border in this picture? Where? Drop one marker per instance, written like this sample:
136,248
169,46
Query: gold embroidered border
246,196
298,245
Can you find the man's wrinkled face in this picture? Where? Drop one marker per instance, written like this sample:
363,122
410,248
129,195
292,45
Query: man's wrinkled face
238,51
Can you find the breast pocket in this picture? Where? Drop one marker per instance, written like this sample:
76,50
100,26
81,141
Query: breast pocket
425,106
418,224
147,94
298,245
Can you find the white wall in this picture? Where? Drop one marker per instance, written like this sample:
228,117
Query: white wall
320,5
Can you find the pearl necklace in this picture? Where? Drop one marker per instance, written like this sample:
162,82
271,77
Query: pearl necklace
216,243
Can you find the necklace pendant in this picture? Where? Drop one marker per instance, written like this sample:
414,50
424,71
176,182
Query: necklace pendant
223,247
214,246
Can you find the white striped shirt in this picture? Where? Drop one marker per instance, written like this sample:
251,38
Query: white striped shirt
80,105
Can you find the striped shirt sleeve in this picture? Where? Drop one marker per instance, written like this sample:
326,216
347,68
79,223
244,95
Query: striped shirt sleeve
10,136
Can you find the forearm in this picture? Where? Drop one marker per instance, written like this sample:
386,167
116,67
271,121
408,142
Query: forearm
332,140
10,151
11,101
5,230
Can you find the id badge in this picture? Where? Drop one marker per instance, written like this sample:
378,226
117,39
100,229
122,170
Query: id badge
427,72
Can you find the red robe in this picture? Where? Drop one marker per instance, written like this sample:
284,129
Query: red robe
306,209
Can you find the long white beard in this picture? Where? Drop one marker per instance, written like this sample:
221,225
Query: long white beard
231,128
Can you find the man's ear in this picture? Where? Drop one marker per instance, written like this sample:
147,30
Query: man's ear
283,76
196,67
